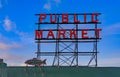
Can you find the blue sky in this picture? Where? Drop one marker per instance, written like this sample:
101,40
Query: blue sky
17,26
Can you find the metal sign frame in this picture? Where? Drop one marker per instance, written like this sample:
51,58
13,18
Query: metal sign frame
71,56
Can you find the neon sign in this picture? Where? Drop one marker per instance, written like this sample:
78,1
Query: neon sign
83,18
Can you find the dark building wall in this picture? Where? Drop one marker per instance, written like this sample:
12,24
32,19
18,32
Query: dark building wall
64,71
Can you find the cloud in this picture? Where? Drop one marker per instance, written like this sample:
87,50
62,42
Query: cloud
110,62
47,6
10,50
25,38
8,24
20,33
50,3
56,2
4,46
12,59
112,29
0,4
2,38
6,53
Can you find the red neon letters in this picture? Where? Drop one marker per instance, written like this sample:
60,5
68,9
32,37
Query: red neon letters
62,34
52,18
